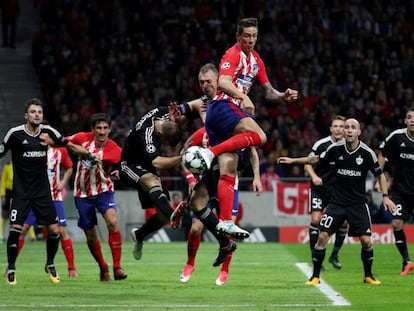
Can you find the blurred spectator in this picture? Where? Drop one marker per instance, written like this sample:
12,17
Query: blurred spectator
268,177
10,11
353,58
379,214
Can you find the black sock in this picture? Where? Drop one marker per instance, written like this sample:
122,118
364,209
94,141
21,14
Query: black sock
318,255
339,241
13,247
160,200
151,225
313,235
52,245
401,243
210,221
367,257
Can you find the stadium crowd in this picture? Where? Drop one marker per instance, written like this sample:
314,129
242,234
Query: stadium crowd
124,57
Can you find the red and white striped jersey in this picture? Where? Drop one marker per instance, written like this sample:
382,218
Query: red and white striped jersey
95,179
245,70
57,157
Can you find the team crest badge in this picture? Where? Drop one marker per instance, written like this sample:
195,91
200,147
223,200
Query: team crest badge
150,148
359,160
225,65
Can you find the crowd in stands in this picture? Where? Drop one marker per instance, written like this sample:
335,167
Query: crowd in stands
350,57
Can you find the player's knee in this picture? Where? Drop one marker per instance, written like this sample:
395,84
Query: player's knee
263,137
366,242
228,163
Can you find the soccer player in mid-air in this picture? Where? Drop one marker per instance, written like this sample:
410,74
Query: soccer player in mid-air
229,121
201,191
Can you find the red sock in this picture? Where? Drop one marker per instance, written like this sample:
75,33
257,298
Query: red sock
96,252
193,242
45,233
225,195
67,247
238,141
227,260
21,244
115,243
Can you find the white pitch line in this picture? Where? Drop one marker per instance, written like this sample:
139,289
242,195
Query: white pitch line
336,298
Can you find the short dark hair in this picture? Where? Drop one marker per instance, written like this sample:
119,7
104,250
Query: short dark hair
100,117
32,101
247,22
408,109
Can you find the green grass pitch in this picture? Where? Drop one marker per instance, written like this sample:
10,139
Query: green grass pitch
262,277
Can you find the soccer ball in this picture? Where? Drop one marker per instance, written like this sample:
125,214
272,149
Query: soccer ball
193,160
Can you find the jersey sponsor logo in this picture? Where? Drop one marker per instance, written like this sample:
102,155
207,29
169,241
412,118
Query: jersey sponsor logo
359,160
345,172
225,65
34,154
244,82
407,156
402,144
341,158
150,148
25,142
1,148
247,78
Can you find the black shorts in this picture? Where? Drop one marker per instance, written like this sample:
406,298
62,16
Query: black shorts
318,200
210,179
357,215
130,174
42,207
404,204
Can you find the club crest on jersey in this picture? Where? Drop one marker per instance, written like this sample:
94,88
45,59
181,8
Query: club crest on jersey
225,65
150,148
359,160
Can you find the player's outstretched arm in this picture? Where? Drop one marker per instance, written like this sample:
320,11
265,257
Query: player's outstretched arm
271,94
166,162
302,160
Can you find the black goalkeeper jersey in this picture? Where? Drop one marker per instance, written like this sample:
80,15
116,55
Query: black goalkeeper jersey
398,148
30,178
350,169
